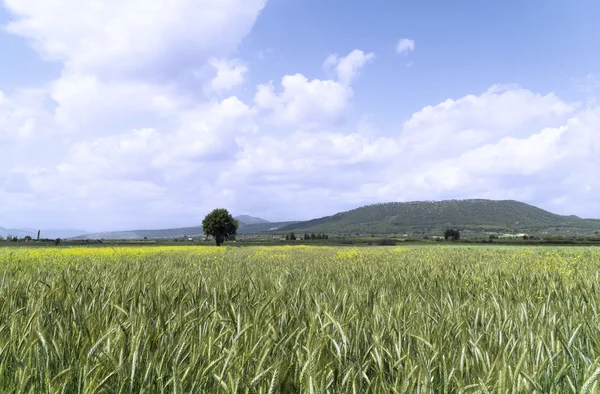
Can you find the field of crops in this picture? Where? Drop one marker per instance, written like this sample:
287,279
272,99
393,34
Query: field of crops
299,319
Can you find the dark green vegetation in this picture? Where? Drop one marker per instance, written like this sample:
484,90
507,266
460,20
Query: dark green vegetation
257,320
220,225
451,234
431,217
262,227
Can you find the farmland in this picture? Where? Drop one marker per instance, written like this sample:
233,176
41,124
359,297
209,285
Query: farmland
299,319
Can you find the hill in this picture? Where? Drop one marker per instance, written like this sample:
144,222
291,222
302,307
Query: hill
247,219
417,218
424,217
262,227
5,232
141,234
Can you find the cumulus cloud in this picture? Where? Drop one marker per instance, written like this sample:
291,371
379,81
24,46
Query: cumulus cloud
86,104
21,115
124,116
405,45
453,126
523,156
206,134
118,68
348,67
230,73
136,149
216,150
303,101
135,38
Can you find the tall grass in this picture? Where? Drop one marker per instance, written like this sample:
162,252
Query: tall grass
298,319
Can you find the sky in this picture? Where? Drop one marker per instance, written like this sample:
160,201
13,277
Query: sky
127,114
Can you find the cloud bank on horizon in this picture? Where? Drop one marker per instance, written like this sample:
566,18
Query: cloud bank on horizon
148,115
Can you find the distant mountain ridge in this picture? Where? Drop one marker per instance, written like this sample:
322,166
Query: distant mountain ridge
259,226
428,216
49,233
416,217
247,219
141,234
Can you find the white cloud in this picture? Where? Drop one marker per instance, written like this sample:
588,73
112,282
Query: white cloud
214,150
15,122
348,68
230,73
21,115
511,155
134,38
122,72
206,133
120,138
310,103
313,153
302,101
405,45
127,100
85,103
454,126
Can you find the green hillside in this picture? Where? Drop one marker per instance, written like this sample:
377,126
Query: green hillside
419,217
262,227
432,216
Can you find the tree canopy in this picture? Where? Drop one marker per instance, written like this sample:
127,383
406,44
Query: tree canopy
452,234
220,225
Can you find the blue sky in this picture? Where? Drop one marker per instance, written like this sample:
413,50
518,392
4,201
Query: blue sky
129,114
464,49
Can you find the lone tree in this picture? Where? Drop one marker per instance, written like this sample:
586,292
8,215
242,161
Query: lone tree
452,234
220,224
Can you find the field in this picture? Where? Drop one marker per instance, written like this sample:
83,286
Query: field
299,319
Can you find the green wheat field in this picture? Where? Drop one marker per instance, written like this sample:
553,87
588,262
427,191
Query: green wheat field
299,319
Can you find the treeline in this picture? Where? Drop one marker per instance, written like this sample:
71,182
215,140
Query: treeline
28,238
307,237
15,238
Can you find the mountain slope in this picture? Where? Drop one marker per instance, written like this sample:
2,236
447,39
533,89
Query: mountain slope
180,232
419,217
141,234
262,227
5,232
247,219
426,216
